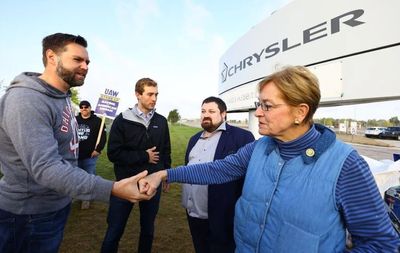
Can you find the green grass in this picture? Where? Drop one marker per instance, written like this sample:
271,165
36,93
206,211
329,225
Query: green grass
85,229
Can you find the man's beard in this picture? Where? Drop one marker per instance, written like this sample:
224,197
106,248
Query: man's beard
208,125
68,76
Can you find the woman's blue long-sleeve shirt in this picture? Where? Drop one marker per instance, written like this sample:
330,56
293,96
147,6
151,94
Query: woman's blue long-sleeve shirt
356,193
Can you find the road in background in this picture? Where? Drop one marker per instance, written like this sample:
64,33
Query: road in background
376,152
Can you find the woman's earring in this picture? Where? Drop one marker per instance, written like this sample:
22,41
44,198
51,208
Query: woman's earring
296,122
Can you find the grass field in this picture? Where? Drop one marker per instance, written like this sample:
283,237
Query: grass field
86,228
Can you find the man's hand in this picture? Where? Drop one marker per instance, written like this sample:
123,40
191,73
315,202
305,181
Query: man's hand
128,189
149,184
94,154
153,155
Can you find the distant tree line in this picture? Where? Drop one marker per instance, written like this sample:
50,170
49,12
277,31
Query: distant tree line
394,121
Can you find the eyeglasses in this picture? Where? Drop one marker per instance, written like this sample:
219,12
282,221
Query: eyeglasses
266,107
84,107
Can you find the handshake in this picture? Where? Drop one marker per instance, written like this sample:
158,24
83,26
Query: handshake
140,187
148,185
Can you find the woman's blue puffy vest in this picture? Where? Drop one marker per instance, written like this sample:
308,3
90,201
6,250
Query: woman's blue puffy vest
290,206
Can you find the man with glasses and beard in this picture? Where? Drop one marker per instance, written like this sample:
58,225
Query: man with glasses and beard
210,208
39,151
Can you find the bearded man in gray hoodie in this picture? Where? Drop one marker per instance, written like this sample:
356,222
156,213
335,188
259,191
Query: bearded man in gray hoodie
39,151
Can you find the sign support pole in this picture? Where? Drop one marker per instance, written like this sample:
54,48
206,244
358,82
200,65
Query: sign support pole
103,119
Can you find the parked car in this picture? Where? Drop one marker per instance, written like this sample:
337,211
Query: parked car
391,132
374,132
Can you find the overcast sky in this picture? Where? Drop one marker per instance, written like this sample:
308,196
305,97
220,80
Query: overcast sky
178,43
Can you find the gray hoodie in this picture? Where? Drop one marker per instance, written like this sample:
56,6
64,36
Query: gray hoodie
39,150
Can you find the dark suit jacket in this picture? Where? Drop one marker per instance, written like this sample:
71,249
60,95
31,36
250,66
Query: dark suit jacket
222,198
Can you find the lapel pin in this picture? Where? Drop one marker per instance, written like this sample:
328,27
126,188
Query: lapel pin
310,152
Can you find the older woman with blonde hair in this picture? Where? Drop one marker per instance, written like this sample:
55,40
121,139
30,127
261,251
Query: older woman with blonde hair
303,187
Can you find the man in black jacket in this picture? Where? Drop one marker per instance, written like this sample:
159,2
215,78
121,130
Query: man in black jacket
88,131
139,140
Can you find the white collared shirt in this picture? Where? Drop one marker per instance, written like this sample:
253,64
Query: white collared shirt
146,117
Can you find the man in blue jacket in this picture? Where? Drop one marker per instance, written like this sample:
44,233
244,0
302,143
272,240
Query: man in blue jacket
210,208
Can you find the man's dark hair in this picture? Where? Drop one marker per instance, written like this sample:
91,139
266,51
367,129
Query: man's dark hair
58,41
221,104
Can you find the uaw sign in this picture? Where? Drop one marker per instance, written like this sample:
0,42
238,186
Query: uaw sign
108,103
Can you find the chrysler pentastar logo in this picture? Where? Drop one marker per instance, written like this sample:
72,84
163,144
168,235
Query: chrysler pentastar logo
316,32
224,73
